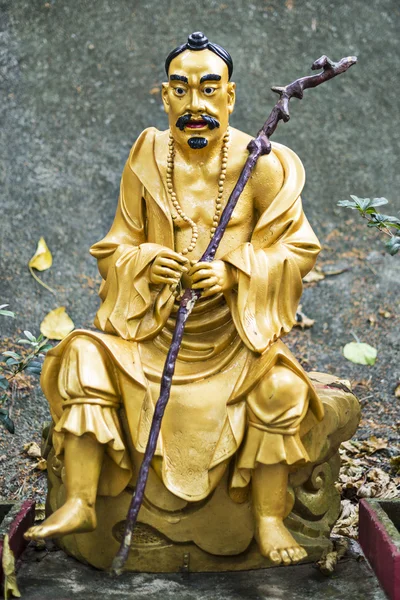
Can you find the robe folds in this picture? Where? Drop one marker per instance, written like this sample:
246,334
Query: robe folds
231,343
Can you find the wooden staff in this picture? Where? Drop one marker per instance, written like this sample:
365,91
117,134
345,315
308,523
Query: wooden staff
257,147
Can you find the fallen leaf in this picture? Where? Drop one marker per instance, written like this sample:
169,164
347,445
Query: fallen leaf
385,313
41,465
327,563
154,90
377,444
57,324
360,353
347,524
397,391
302,320
313,276
395,463
42,259
32,449
10,577
372,320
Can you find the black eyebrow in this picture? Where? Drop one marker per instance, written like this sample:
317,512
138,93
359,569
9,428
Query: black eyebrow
210,77
178,78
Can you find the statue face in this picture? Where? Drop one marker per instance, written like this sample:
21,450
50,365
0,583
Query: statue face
198,98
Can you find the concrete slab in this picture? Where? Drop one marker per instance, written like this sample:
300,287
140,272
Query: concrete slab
56,575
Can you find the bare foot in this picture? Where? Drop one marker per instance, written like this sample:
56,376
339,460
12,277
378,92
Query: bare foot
276,543
74,516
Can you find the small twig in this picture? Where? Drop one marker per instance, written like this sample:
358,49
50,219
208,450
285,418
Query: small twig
381,227
371,268
367,397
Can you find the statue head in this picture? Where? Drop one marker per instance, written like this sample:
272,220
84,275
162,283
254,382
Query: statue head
199,96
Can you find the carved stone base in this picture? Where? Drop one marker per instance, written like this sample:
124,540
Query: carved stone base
216,534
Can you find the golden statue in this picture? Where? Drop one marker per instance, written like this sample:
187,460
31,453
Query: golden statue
242,410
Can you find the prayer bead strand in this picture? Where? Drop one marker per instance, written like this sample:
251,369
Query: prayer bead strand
174,199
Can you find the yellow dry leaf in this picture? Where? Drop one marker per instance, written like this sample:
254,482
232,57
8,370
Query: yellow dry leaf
32,449
397,391
42,259
57,324
302,320
10,578
314,275
41,465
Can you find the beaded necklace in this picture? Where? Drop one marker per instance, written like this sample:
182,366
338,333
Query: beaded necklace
218,202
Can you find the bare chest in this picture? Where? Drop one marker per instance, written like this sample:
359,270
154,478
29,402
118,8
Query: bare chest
203,198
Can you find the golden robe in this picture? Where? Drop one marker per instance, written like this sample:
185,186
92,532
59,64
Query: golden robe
231,342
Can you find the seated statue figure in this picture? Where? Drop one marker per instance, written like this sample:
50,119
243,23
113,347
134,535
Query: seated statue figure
247,434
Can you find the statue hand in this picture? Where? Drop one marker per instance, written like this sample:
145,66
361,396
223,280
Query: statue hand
213,277
168,267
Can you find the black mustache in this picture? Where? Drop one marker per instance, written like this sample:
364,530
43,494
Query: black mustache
184,120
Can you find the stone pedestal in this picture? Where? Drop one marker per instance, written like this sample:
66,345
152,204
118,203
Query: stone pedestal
216,534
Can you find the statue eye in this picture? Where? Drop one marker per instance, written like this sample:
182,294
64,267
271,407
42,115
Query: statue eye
179,91
209,91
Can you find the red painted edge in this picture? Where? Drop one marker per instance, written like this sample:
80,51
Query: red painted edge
21,523
380,550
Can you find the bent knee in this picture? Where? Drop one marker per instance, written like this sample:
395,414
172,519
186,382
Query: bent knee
281,390
86,370
282,381
83,344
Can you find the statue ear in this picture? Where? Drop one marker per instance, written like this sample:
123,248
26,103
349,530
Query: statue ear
231,96
164,96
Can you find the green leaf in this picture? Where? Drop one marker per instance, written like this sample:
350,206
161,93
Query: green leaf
34,370
377,202
361,203
46,347
385,219
12,355
34,367
7,313
6,421
27,342
360,353
393,245
11,361
348,204
30,336
4,385
367,205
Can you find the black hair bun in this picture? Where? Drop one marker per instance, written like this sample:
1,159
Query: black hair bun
197,41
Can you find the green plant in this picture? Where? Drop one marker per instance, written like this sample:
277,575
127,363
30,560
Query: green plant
385,223
13,364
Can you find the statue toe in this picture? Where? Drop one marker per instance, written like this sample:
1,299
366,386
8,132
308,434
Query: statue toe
275,557
285,557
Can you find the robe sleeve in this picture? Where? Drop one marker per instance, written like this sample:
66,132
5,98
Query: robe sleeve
271,266
132,307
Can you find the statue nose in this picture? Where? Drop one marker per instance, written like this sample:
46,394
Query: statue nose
196,103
